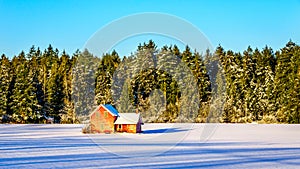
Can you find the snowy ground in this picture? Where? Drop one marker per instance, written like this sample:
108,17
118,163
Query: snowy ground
160,146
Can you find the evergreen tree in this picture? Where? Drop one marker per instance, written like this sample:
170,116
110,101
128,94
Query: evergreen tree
125,104
66,64
265,84
35,87
294,92
83,84
24,102
48,59
287,83
5,80
107,66
249,84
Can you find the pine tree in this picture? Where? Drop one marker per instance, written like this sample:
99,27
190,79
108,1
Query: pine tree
55,94
24,102
218,88
107,66
83,84
34,87
175,50
5,80
49,58
249,85
68,115
294,88
220,53
233,107
287,83
265,84
125,104
283,82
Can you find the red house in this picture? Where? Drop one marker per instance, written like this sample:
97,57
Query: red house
103,118
106,119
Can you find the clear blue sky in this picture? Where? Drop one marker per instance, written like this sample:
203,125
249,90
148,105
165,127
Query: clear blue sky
68,24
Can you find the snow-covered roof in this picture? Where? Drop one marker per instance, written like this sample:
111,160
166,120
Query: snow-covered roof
111,109
128,118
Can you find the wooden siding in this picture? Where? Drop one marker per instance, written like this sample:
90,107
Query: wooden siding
102,121
128,128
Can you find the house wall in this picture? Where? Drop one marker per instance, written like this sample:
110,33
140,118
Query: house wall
139,128
102,121
129,128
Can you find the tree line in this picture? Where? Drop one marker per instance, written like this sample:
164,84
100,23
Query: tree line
252,86
262,85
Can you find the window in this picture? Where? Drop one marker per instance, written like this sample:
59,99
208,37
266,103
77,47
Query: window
119,126
105,114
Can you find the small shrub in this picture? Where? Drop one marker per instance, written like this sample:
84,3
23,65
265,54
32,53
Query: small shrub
86,129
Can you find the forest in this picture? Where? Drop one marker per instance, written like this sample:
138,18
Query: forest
255,85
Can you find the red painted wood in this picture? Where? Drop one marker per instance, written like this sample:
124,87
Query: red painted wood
102,121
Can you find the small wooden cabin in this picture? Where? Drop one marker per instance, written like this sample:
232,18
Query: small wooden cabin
103,118
129,122
106,119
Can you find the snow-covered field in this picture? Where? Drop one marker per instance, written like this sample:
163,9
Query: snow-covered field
160,146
